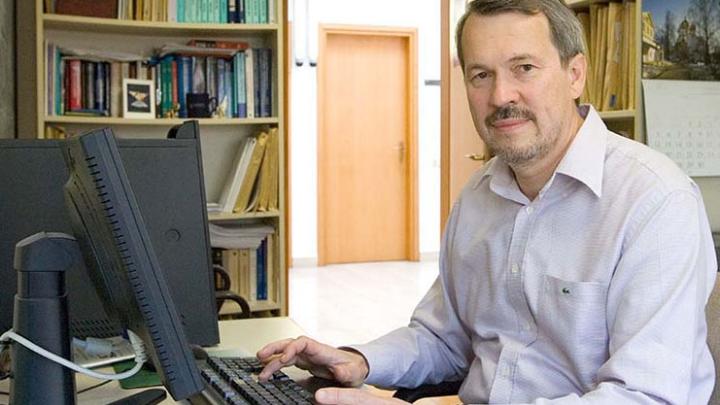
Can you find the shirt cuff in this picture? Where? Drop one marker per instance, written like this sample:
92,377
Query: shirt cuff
380,365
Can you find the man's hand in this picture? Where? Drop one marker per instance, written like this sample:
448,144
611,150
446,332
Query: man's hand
352,396
347,367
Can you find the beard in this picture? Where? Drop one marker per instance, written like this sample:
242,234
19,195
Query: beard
505,148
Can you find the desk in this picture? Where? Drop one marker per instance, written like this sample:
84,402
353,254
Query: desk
241,338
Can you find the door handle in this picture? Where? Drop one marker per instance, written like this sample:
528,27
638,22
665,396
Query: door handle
476,156
401,150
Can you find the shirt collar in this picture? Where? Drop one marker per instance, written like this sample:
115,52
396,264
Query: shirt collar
585,158
583,161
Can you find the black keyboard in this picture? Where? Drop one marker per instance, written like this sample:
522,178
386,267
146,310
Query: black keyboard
235,381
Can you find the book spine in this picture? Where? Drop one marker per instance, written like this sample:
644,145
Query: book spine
249,83
229,89
240,4
232,11
180,11
210,76
263,14
60,85
99,90
241,90
89,90
266,83
221,85
256,82
174,77
261,271
224,11
272,12
49,78
74,85
184,80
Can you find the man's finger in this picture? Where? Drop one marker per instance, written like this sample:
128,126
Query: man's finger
273,366
272,348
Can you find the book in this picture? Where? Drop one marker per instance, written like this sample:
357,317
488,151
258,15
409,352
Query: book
250,177
264,82
202,43
240,82
87,8
250,83
233,182
613,59
268,174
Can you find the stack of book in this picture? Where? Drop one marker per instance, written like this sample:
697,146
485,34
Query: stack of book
253,183
610,30
191,11
246,252
236,76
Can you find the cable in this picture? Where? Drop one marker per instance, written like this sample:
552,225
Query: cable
138,346
92,387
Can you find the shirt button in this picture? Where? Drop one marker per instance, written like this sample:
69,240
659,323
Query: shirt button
515,268
529,210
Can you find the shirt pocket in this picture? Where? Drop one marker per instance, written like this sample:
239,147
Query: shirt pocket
572,317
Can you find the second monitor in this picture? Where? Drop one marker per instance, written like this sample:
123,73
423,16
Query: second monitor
167,177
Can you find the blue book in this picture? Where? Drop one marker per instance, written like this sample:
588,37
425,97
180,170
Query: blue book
106,82
240,5
232,11
223,11
229,89
184,64
265,82
256,81
263,11
180,10
221,83
241,90
262,271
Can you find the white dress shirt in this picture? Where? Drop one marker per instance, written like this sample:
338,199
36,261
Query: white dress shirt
593,293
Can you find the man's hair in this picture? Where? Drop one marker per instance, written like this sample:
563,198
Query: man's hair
566,32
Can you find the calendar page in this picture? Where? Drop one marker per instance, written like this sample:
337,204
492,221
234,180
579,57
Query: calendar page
682,119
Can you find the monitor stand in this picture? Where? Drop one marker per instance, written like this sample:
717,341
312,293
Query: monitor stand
41,316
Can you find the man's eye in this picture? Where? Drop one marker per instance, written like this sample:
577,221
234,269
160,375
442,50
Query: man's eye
527,68
480,76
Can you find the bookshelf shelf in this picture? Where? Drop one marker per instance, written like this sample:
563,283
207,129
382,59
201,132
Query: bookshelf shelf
116,26
64,119
617,115
235,217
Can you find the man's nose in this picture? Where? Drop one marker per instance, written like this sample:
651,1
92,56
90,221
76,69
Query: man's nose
504,91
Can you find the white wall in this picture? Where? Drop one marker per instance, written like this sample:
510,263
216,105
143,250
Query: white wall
421,14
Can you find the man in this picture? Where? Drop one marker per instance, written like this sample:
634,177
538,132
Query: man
576,264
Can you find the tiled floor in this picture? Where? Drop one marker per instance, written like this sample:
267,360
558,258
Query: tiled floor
354,303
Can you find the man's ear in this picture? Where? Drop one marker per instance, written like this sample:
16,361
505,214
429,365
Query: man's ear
577,74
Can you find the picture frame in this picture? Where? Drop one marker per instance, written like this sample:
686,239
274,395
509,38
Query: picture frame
138,98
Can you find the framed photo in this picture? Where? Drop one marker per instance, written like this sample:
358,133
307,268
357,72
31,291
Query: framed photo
138,98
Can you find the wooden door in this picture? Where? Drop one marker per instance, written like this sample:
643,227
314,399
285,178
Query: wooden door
367,145
462,151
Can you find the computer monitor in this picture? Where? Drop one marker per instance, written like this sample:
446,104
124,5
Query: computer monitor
167,178
121,260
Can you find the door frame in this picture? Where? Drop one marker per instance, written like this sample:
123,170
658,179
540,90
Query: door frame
411,192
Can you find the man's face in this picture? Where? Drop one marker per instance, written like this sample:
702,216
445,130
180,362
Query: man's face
521,97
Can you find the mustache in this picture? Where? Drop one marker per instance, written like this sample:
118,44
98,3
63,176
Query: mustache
509,111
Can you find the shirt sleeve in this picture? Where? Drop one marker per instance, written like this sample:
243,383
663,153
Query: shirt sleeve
434,347
656,310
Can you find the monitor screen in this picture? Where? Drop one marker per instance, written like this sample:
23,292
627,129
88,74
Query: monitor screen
120,258
167,178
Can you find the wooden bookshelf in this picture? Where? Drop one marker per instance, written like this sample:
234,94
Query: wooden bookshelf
221,137
629,122
105,121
